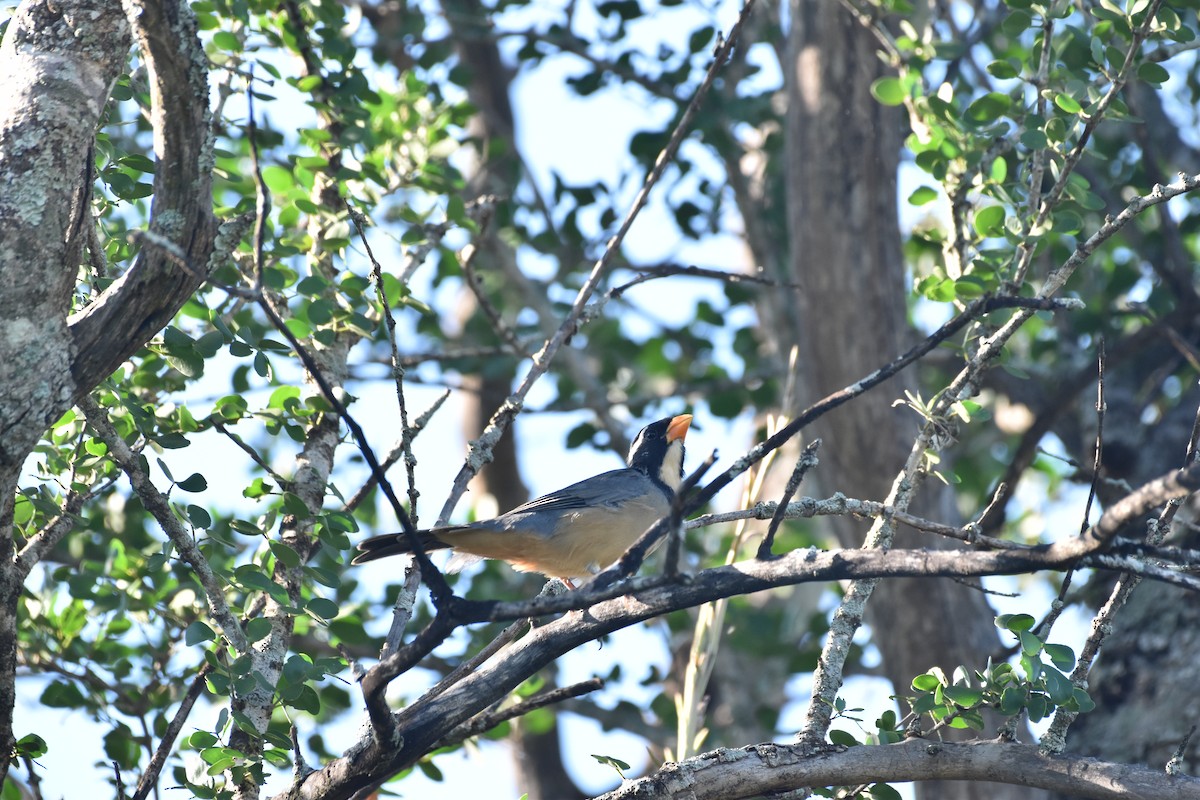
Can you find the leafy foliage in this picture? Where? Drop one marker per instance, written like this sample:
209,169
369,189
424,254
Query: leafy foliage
1027,134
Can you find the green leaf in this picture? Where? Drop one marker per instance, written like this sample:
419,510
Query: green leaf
122,747
198,632
257,629
1067,103
989,221
963,695
201,740
1058,686
882,791
989,108
970,286
1154,73
1012,700
293,504
227,41
922,195
1082,700
1003,70
60,694
278,179
323,607
1034,139
620,766
940,290
1016,22
843,738
193,483
1031,645
888,91
926,682
287,556
199,517
31,745
1036,707
1015,622
1061,656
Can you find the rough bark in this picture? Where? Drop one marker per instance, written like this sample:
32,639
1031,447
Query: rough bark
1145,677
143,300
842,159
768,769
57,65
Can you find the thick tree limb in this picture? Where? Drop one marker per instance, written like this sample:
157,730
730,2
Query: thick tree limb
417,728
143,300
767,768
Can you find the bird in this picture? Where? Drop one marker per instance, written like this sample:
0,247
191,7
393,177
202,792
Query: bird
574,532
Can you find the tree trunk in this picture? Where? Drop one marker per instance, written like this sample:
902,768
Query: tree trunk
842,157
57,67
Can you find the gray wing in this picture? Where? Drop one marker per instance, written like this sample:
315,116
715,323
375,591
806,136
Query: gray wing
609,489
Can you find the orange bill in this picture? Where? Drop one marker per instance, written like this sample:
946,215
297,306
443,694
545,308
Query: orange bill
678,427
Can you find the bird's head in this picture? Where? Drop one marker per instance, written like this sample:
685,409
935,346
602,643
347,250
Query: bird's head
658,450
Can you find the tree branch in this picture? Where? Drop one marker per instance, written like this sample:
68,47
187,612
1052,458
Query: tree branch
481,448
159,506
143,300
768,768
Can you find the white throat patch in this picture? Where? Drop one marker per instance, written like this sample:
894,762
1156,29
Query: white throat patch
669,472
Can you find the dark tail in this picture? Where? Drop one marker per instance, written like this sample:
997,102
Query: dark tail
394,544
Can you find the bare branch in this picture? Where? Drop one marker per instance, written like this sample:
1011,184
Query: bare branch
145,298
428,720
767,769
149,779
481,448
159,507
807,460
485,722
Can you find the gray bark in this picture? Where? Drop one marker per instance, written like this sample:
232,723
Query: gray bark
850,317
58,64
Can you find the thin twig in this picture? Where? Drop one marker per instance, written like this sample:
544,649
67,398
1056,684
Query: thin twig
485,722
402,609
396,452
280,481
35,781
159,507
650,273
510,634
806,461
466,261
149,779
1176,763
481,449
1059,604
675,523
262,197
117,781
410,461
